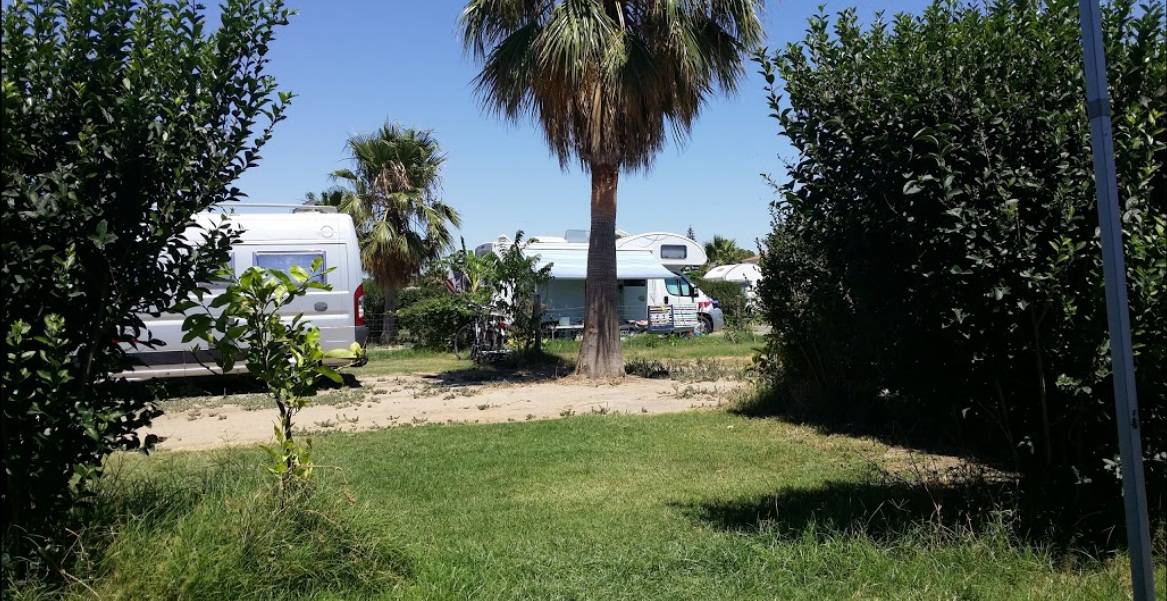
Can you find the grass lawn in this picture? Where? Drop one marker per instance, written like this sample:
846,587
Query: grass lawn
735,349
702,505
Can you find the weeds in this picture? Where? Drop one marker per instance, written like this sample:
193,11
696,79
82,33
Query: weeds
225,533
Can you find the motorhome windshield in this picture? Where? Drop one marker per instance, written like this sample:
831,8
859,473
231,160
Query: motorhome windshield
679,287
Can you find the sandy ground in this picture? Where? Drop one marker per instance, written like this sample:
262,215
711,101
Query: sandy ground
382,402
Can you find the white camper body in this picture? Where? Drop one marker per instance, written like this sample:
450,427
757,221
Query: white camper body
279,241
645,286
674,251
746,275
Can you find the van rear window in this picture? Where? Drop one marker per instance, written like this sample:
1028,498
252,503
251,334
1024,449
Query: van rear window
284,261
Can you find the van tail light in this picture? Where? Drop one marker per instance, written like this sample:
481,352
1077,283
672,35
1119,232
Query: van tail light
359,305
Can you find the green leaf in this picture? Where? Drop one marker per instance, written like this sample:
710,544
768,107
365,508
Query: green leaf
329,373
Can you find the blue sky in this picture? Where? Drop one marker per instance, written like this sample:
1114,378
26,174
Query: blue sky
356,63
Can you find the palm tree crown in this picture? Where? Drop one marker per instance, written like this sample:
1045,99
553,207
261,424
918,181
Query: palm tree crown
607,78
392,196
724,251
330,197
393,200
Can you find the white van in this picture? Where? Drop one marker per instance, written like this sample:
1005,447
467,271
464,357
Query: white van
274,240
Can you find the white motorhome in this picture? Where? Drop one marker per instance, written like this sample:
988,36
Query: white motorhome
652,297
746,275
274,240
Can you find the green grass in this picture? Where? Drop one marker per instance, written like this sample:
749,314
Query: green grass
411,361
656,347
736,349
683,506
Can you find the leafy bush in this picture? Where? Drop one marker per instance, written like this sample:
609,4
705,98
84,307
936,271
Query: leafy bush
507,284
730,298
515,290
440,322
426,287
934,262
122,120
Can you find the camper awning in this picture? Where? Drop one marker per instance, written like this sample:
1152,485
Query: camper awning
572,264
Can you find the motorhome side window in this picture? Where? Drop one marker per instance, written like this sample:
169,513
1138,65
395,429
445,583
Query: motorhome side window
678,287
674,251
284,261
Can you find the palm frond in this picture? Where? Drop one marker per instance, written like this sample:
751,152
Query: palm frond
392,193
608,81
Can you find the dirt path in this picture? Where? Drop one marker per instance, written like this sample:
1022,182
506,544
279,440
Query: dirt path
416,400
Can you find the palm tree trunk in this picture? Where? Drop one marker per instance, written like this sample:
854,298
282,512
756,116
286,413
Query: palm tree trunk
599,354
389,319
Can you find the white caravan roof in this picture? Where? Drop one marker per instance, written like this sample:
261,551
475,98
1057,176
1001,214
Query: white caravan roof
572,263
748,273
286,227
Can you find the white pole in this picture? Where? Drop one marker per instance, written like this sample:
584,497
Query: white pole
1117,316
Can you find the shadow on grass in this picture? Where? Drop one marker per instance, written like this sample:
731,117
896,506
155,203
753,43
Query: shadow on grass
861,419
881,511
229,384
893,511
208,527
532,366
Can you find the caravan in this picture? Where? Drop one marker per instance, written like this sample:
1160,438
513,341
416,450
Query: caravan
651,296
273,240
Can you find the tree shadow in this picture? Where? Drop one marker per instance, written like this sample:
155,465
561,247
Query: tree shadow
229,384
882,511
532,366
888,511
867,419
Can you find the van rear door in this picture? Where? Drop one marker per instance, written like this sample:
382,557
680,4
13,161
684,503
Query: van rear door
329,310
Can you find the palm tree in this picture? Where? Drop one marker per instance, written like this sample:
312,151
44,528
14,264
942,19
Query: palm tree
330,197
724,251
605,80
393,200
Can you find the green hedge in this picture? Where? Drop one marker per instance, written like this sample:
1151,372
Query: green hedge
729,296
439,322
934,263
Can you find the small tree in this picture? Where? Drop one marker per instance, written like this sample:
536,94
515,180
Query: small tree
122,120
332,196
244,325
517,278
474,272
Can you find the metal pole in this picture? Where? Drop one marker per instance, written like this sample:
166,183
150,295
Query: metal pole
1114,272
